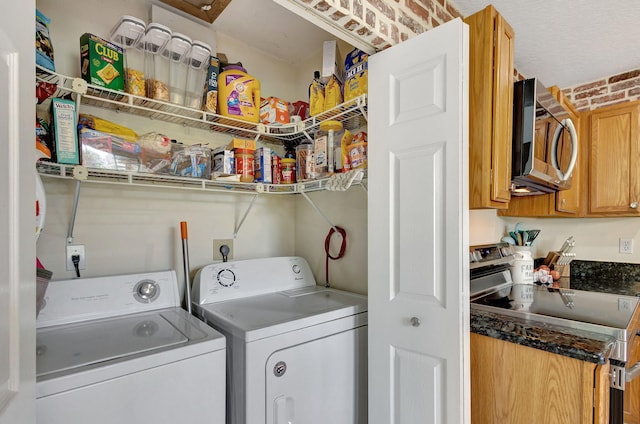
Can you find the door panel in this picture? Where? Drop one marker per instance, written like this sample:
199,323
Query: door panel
17,215
418,229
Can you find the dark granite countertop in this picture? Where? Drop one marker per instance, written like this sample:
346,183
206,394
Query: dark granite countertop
578,344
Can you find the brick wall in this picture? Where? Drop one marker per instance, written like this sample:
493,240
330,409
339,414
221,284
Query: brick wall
605,91
384,23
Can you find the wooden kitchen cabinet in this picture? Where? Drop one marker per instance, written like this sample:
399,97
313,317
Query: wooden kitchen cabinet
511,383
613,171
491,46
564,203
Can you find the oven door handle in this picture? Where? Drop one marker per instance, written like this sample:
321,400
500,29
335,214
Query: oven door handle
632,372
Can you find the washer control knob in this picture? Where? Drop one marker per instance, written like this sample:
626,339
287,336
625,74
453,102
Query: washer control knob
296,269
226,277
415,321
146,291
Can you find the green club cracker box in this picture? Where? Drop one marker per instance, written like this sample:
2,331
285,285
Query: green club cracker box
101,62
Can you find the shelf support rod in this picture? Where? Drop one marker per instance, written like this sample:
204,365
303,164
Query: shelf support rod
326,218
255,197
74,210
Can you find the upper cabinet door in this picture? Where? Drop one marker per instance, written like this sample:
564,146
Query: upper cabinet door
614,171
418,230
490,109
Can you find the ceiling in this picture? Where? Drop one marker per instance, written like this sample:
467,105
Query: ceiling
570,42
562,43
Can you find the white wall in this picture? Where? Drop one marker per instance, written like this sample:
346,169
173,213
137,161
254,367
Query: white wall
596,238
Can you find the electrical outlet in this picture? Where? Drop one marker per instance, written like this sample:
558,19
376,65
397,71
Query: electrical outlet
624,304
72,250
626,245
217,244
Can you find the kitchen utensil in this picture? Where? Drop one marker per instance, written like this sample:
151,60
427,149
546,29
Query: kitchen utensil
185,257
525,238
509,240
532,235
519,227
519,239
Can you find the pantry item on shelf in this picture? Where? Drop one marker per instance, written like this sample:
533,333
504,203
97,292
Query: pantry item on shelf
65,132
332,93
198,61
240,143
301,109
327,137
357,151
44,90
210,100
99,124
223,161
274,111
155,146
276,168
245,165
155,40
343,164
191,161
355,74
106,151
43,134
316,95
129,33
305,163
44,46
331,61
176,51
101,62
262,165
288,170
238,94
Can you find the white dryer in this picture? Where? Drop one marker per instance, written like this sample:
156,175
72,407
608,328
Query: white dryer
297,352
120,349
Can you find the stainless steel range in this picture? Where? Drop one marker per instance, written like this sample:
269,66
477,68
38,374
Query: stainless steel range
603,313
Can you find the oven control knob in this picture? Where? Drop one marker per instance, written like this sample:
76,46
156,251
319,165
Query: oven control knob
226,277
146,291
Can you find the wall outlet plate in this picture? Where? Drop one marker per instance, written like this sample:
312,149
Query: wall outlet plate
217,244
626,245
76,249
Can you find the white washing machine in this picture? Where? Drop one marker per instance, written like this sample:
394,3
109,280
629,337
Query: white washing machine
120,349
297,352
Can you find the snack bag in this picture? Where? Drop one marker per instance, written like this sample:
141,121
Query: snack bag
44,47
332,93
316,98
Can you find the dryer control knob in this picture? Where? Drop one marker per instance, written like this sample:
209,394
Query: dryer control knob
226,277
146,291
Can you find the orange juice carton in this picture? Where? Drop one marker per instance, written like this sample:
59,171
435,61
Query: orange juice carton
274,110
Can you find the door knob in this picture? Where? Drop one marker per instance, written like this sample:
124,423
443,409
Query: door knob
634,205
415,321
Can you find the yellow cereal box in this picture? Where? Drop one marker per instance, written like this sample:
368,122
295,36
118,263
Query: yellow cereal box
355,74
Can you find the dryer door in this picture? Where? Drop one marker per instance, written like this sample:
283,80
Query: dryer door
319,382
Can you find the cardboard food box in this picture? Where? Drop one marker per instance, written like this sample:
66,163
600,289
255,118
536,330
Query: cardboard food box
274,111
331,62
101,62
210,101
223,161
65,132
262,165
355,74
240,143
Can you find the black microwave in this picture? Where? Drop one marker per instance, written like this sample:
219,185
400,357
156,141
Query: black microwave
545,144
